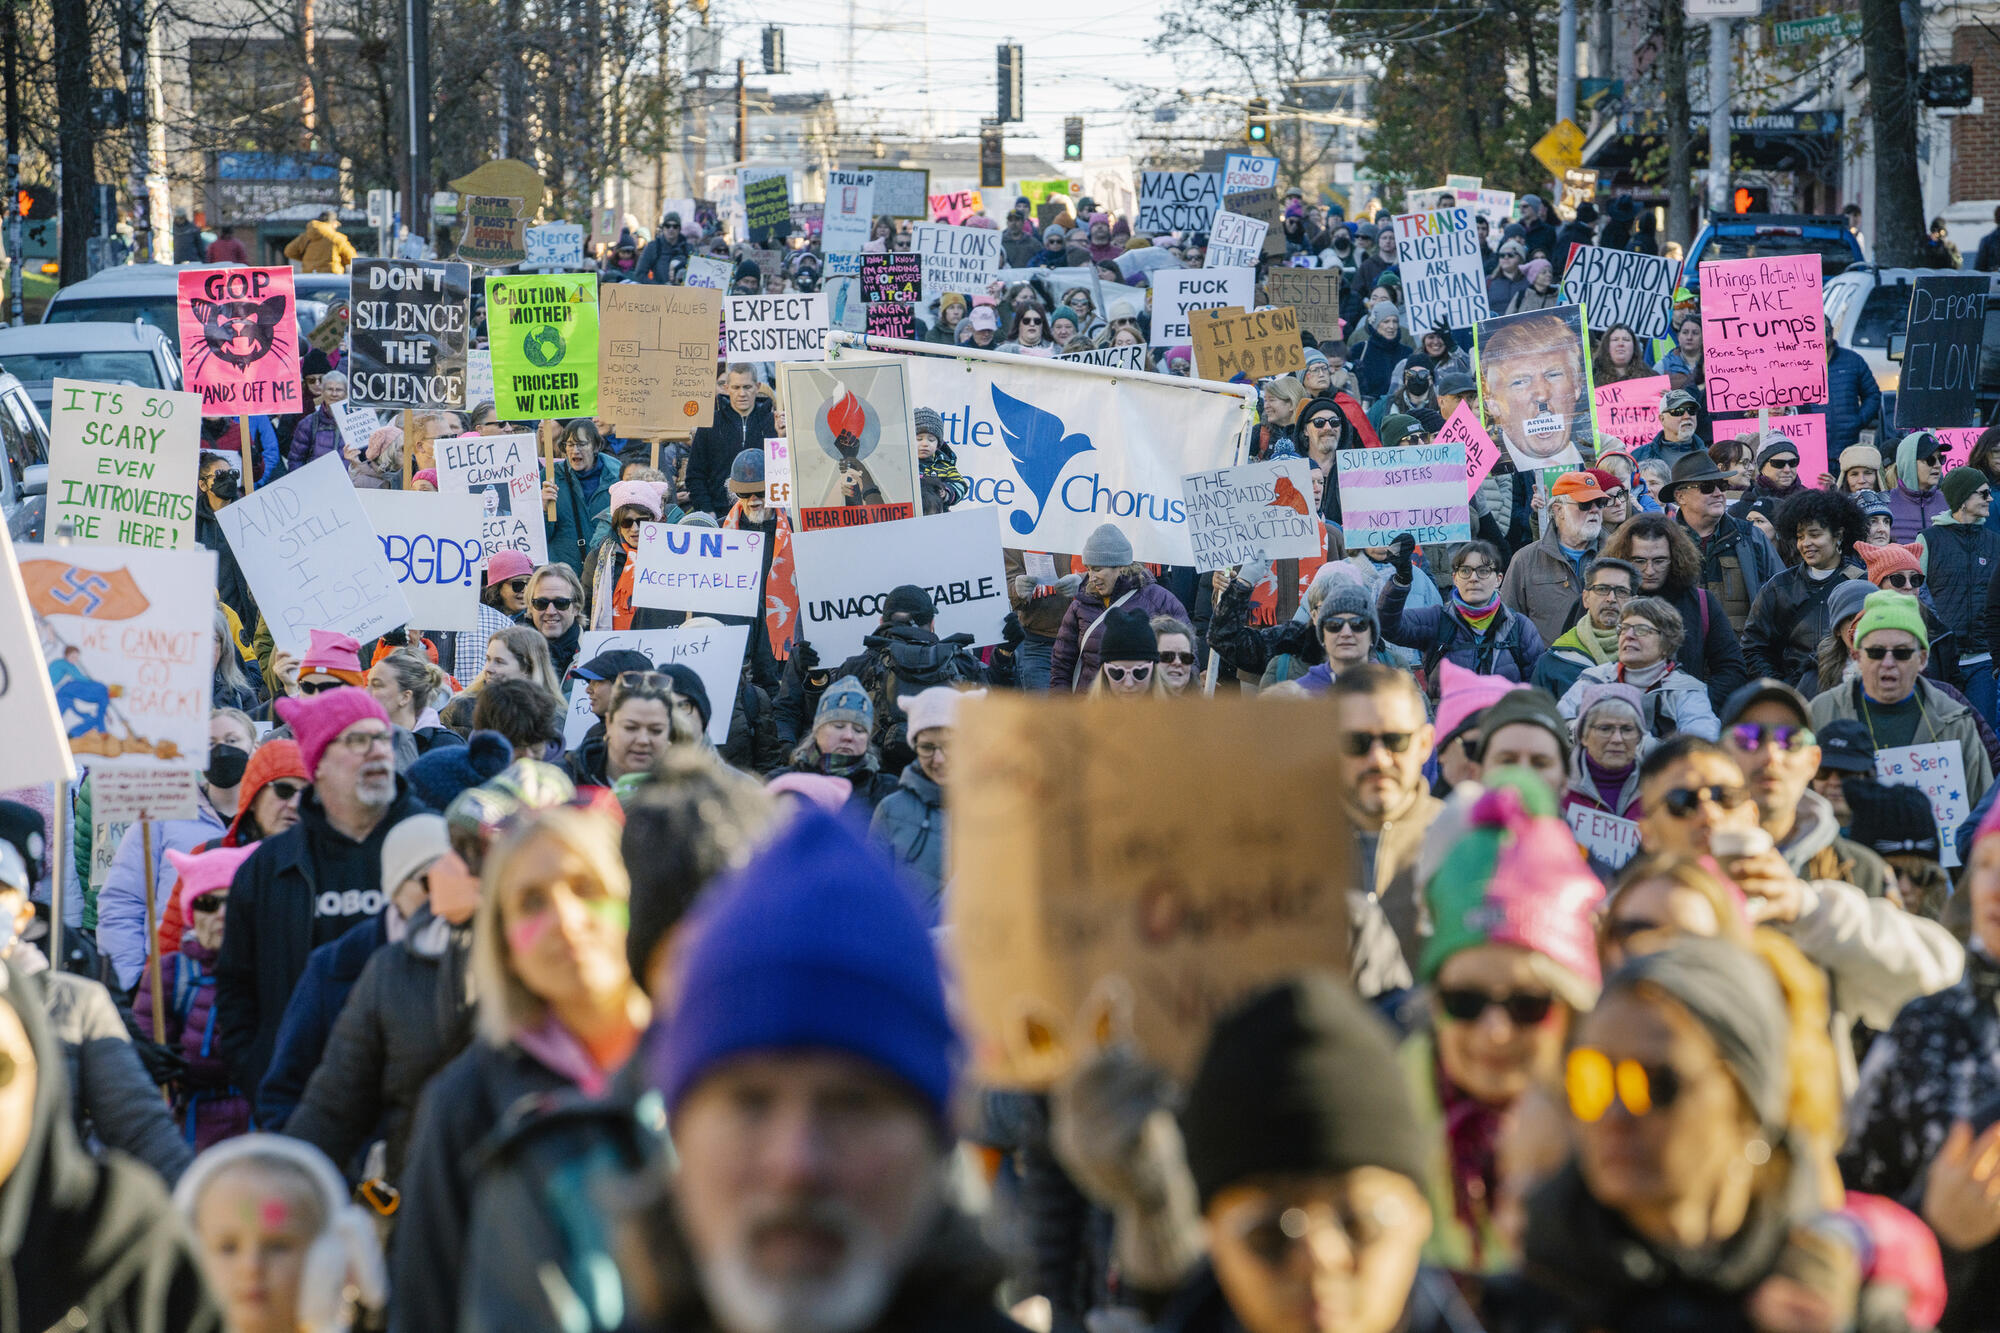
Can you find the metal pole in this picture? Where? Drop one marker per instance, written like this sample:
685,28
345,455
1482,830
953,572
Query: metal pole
742,119
1566,63
1719,56
10,91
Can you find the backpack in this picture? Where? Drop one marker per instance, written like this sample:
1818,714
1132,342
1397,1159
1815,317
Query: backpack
908,659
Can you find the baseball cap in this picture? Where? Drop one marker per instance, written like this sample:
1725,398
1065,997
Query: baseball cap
1578,486
1756,692
1677,400
1844,745
610,665
982,317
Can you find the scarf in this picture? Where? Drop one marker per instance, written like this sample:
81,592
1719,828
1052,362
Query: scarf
1610,782
1480,618
1601,644
1471,1128
781,589
1646,677
558,1050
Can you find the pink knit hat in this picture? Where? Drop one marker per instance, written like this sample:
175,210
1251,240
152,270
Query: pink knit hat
1462,693
315,721
647,495
823,790
204,872
507,564
335,653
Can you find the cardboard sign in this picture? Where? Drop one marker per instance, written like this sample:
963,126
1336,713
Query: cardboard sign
1808,431
1623,287
893,277
1534,381
1117,923
434,544
778,474
331,330
850,211
1260,511
902,194
1604,835
1463,431
955,259
1234,242
1763,343
125,795
1129,357
1177,293
410,333
1418,489
492,231
1947,321
1260,206
239,335
478,376
554,245
954,208
1242,171
1938,770
1444,276
845,573
713,652
890,321
505,474
37,742
656,358
1183,201
854,446
1250,346
1314,293
1629,410
707,271
312,557
713,570
776,328
122,463
542,330
767,208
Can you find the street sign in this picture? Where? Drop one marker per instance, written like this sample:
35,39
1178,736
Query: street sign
1794,31
1702,10
1561,149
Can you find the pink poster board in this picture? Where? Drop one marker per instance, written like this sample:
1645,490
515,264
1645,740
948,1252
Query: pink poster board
1630,409
957,206
1480,451
240,340
1763,344
1808,432
1958,442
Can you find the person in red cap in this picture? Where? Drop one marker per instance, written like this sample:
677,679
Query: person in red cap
315,881
1544,580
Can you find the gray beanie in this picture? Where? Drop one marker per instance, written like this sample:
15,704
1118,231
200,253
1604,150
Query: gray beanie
1733,995
1347,598
846,701
1107,548
928,422
1845,600
1382,310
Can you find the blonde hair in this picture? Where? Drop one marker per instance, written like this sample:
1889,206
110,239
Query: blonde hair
531,650
413,672
1156,687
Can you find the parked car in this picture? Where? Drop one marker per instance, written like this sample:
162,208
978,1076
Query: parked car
1868,309
135,353
148,292
24,482
1762,235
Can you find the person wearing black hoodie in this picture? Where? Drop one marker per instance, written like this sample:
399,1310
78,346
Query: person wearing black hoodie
230,586
742,421
79,1238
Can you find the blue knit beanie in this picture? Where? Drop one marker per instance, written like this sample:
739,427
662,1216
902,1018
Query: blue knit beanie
846,701
439,775
814,945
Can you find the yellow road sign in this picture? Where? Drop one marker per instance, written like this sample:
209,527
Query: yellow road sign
1561,149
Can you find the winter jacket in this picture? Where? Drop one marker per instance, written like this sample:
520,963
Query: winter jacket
1501,291
231,588
715,448
1788,621
1673,704
1709,651
1542,584
1659,448
752,743
656,261
1853,402
1041,617
1946,719
331,971
1910,511
1074,660
408,1016
1249,648
1372,358
316,435
1529,299
209,1108
1736,562
1018,250
86,1240
910,822
1960,561
1390,853
321,248
1509,649
121,903
1562,664
578,507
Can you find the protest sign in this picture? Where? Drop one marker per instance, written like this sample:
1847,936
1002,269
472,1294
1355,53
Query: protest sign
1250,345
1182,201
955,259
854,456
357,423
505,473
435,545
1808,431
850,211
1947,321
1178,292
1604,835
845,573
1938,770
554,245
1242,171
1622,287
1763,344
331,329
128,639
37,741
1129,357
902,194
705,271
844,307
892,277
891,321
656,358
1444,276
1108,926
122,464
1234,241
1260,511
1060,450
686,568
312,558
408,341
1314,293
492,231
239,336
1534,381
954,208
1418,489
1958,442
767,207
124,795
1261,206
478,376
1629,410
713,652
778,473
776,328
1463,431
542,330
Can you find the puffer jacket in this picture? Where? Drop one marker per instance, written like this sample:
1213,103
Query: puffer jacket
1510,648
910,822
321,248
1853,402
1074,660
1372,358
1562,663
1674,703
1788,621
1959,562
209,1107
317,434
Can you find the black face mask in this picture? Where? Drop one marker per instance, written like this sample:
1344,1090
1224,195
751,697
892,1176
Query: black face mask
226,764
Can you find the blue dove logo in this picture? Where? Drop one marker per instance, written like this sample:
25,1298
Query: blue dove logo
1040,448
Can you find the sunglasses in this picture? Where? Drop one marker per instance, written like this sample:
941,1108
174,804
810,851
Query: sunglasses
1335,624
630,521
1361,743
1752,735
1782,462
1590,506
285,789
1177,659
1321,423
1709,487
1684,801
210,902
1903,580
516,586
1524,1009
1594,1081
1031,319
309,688
1140,674
645,680
554,603
1900,654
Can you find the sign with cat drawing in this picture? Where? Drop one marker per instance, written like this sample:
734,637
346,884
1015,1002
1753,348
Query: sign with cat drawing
240,340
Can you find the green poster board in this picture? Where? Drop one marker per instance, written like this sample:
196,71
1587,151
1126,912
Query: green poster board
542,329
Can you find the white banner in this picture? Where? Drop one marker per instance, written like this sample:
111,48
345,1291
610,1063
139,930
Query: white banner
956,259
1444,279
1062,451
554,245
687,568
1235,242
434,543
845,573
776,328
37,748
1179,290
713,652
122,464
505,474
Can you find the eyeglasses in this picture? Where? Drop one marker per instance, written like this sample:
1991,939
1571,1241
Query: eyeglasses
1524,1009
1682,802
1611,590
1140,674
1321,423
1335,624
308,688
1752,735
1902,654
1273,1232
931,749
1176,659
1613,731
210,902
554,603
285,789
1594,1081
361,742
1361,743
1903,580
1640,628
1653,561
1476,572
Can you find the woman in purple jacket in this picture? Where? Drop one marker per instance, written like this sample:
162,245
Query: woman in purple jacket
1111,580
318,432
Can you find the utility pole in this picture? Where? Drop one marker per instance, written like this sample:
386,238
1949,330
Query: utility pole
1566,64
742,119
417,102
10,85
152,205
1720,50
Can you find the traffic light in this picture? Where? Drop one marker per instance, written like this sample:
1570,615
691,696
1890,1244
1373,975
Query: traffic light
992,156
1010,82
35,202
1257,122
774,49
1073,138
1946,85
1752,199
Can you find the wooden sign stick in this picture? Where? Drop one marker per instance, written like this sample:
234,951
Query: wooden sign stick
249,472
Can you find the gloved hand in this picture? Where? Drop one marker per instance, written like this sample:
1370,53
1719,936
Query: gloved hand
1400,551
1024,586
1254,573
803,653
1011,634
1068,584
164,1064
